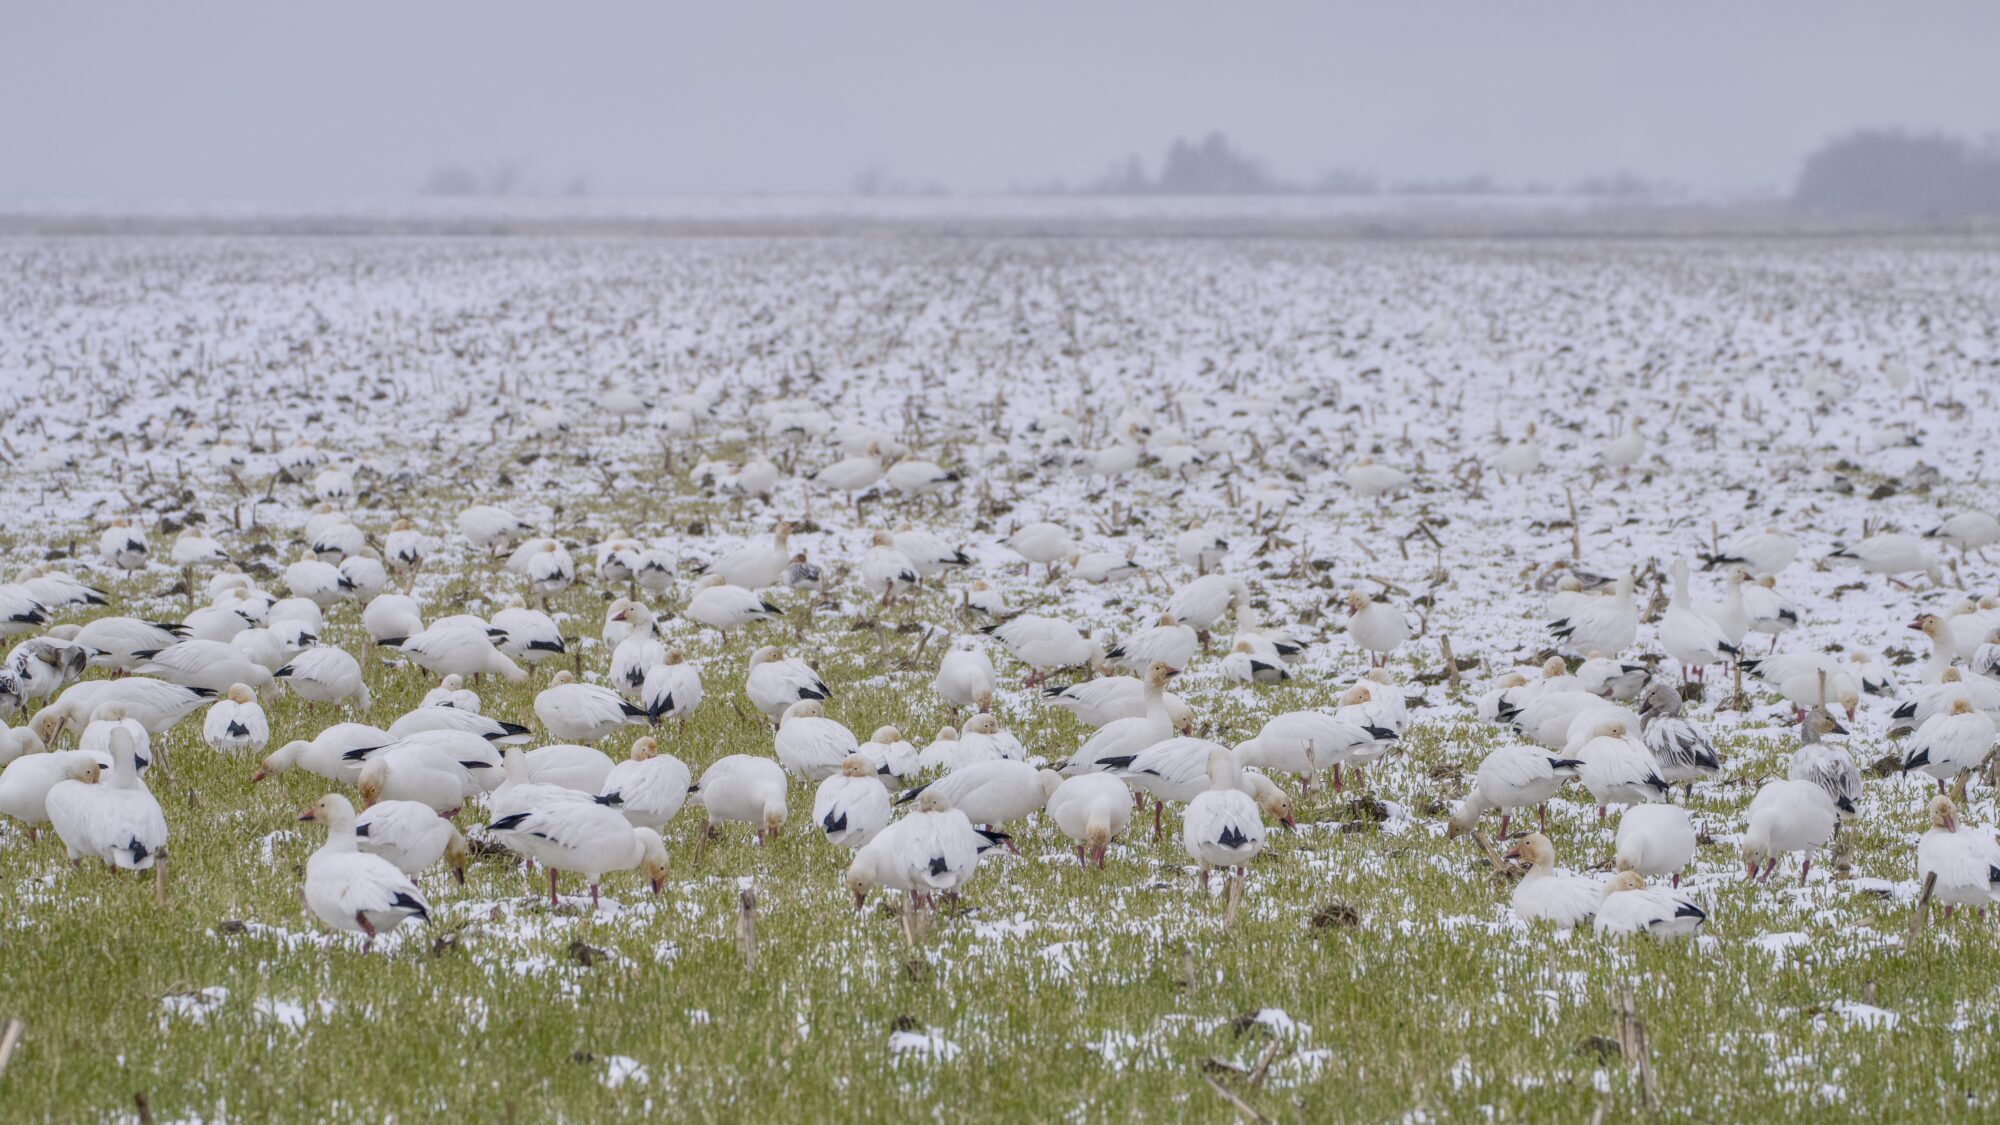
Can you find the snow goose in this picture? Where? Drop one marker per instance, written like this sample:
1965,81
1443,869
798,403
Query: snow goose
214,623
1166,642
965,674
1519,458
851,806
776,681
192,549
1271,642
1625,448
1045,644
913,478
364,572
1968,531
402,772
1099,567
115,642
1042,544
639,653
123,546
885,570
404,548
587,839
984,740
491,528
1374,701
1788,816
54,590
1202,602
25,783
1511,778
617,558
1731,614
351,890
412,836
934,849
575,712
1546,717
742,787
1091,809
18,741
723,607
392,615
930,554
1631,907
1966,864
337,539
992,792
326,753
1768,611
1654,840
236,723
1107,699
296,609
1177,769
325,674
1950,643
1617,768
451,646
1502,702
547,567
1548,893
1607,624
274,648
1936,699
114,818
1305,743
1223,826
210,665
1682,751
755,566
890,755
1125,737
583,769
671,689
40,667
941,754
1200,548
1824,764
854,474
1613,679
1890,554
1243,664
452,692
648,787
811,745
1768,551
320,583
527,635
20,612
1377,627
155,704
1688,635
497,731
1950,744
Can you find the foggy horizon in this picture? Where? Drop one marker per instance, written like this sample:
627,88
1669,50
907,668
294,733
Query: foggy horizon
218,101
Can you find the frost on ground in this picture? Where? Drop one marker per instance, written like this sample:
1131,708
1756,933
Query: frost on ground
1123,388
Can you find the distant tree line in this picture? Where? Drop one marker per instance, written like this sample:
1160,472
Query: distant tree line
1890,172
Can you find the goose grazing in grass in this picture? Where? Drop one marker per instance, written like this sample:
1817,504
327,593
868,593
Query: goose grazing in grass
586,838
412,836
1165,642
1968,531
1617,768
1682,751
743,788
1950,744
1548,893
491,528
1891,554
1688,635
449,647
402,772
1223,826
18,741
115,642
1042,544
851,806
325,754
755,566
811,745
1654,840
452,692
123,546
55,590
1177,769
1045,644
1306,743
930,554
1937,699
993,792
648,787
1966,863
325,674
965,674
582,769
1511,778
671,689
392,615
1092,809
1788,816
209,665
497,731
1607,624
1244,665
984,740
113,817
931,850
1107,699
574,712
1631,907
236,723
776,681
854,474
723,607
352,890
527,635
155,704
1768,551
40,667
26,781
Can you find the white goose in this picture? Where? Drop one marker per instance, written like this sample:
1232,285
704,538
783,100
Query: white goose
576,712
965,674
885,569
755,566
1548,893
352,890
123,546
452,692
1690,636
26,781
326,754
236,724
1654,840
1617,768
723,607
1788,816
155,704
1042,544
1631,907
449,647
1107,699
1166,642
412,836
490,527
1768,551
1126,737
1092,809
1967,863
1607,624
1950,744
1511,778
671,689
851,806
114,818
497,731
934,849
890,756
318,582
325,674
116,642
1223,826
1044,644
1890,554
994,792
648,787
930,554
1681,750
1306,743
1377,627
811,745
1245,664
1202,602
527,635
745,788
584,837
776,681
634,657
210,665
403,772
392,615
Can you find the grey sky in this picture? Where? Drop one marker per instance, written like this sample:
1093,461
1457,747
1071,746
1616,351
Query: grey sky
364,99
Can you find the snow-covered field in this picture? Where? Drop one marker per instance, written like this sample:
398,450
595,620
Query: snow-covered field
1122,388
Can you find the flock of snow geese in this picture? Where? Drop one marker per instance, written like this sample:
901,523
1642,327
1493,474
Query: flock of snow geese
918,818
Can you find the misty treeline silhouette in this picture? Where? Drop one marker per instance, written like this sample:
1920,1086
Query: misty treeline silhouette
1908,175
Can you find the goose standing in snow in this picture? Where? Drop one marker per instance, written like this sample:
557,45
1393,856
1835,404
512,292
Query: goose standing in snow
964,675
1042,544
1889,555
1625,449
1223,826
1617,768
1243,665
1768,551
811,745
584,837
671,690
318,582
1307,743
1968,531
392,615
1203,602
155,704
1045,644
1199,548
1607,624
1788,816
236,724
1125,737
851,806
449,647
1690,636
1548,893
723,607
1092,809
325,674
123,546
993,792
1166,642
755,566
1631,907
891,756
648,787
885,569
775,681
1511,778
1950,744
1768,611
1824,764
352,890
1682,751
585,713
1966,863
742,787
928,553
115,642
1654,840
490,528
